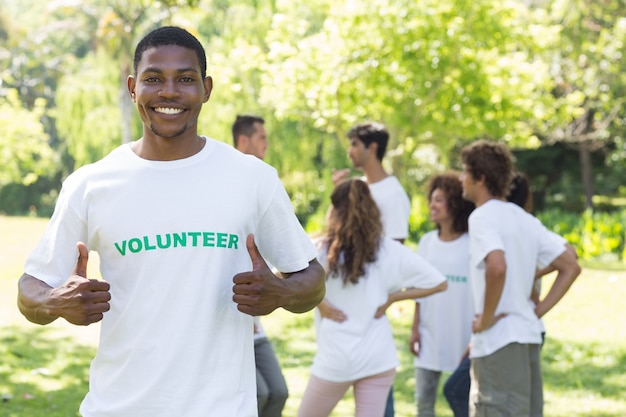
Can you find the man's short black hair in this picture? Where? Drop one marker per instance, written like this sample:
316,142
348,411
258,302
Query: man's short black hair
371,132
171,35
244,125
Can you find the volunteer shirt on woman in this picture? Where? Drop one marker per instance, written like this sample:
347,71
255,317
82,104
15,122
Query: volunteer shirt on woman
527,245
362,345
170,236
445,318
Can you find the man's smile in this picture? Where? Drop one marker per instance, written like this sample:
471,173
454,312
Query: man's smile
168,110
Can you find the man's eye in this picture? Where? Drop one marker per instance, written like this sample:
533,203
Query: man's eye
152,79
187,79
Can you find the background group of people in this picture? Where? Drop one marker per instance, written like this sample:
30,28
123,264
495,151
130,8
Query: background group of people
191,234
355,342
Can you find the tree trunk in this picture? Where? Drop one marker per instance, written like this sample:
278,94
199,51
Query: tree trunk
586,169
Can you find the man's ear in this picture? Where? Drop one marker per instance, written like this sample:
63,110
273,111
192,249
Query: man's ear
373,147
242,143
208,87
131,82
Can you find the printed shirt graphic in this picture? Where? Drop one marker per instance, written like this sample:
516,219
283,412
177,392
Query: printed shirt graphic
170,237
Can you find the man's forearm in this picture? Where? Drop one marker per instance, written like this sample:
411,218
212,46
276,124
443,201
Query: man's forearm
495,276
568,270
305,289
31,300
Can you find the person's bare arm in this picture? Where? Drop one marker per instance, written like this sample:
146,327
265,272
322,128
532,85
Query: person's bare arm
550,268
568,270
495,275
79,300
409,294
415,339
329,311
259,292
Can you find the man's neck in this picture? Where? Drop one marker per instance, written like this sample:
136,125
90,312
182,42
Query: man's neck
374,172
483,198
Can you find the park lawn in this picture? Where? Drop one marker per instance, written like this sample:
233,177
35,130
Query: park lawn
44,369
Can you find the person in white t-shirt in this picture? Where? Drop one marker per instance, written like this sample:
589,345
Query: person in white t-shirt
457,387
442,323
250,137
176,219
507,244
366,273
368,144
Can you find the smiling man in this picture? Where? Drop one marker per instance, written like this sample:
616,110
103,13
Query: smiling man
176,219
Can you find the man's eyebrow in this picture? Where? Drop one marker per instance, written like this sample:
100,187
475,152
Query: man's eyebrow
160,71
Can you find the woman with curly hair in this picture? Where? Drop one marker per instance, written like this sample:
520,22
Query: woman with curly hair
366,273
442,324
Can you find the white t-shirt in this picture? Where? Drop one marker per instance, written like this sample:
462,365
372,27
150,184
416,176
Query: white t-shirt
362,346
170,236
394,206
445,318
527,244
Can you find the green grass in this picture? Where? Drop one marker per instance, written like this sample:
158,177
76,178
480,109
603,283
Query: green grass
44,369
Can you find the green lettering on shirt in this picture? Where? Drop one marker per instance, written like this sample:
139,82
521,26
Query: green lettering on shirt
169,241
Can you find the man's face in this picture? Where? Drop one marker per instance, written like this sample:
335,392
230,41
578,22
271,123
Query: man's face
469,184
257,143
358,153
169,91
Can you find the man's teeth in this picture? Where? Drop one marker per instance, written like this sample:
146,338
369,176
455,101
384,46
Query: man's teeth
168,110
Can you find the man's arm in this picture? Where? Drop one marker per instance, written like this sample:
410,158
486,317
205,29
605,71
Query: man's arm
259,292
568,270
79,300
495,275
550,268
305,289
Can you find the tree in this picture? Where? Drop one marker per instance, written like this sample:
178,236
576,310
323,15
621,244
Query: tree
88,116
587,67
25,153
437,73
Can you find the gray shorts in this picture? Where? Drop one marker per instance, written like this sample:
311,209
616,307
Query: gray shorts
507,383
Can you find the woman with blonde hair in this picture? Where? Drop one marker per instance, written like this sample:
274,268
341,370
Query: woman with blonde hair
366,273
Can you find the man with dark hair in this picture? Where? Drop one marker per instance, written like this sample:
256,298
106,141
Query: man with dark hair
507,244
175,218
368,144
249,135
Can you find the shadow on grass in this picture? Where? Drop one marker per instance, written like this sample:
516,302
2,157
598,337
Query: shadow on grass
40,374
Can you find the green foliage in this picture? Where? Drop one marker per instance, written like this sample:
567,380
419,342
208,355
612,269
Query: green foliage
25,153
419,222
88,115
437,73
595,235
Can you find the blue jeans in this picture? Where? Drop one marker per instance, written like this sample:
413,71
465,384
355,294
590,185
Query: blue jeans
389,411
457,389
